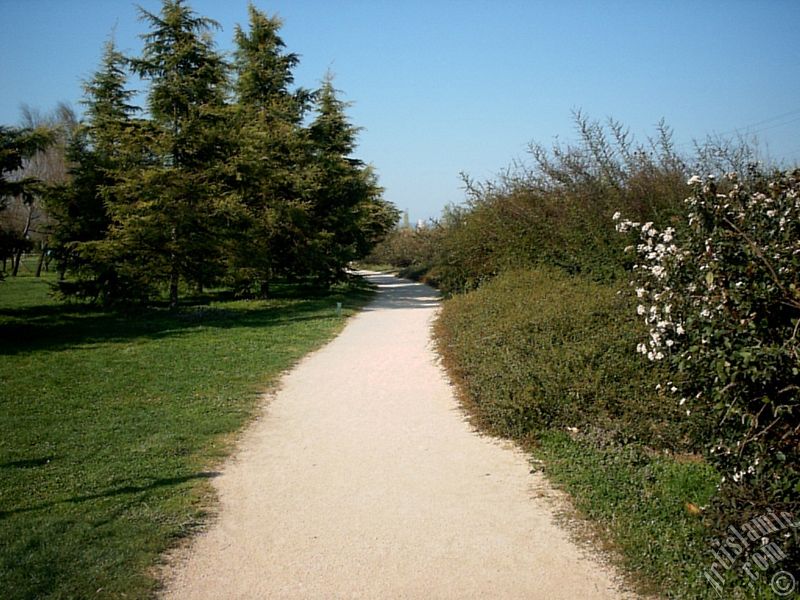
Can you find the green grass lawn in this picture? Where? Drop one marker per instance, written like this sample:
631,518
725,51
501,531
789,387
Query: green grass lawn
113,425
638,499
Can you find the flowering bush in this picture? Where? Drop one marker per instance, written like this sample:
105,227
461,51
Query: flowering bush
720,293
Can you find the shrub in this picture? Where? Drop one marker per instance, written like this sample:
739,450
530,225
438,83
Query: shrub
720,293
405,247
556,210
538,349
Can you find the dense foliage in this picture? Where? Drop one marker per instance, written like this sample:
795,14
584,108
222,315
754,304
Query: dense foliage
231,178
547,358
719,293
565,359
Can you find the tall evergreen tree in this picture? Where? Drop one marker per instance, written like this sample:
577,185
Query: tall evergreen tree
264,70
168,211
349,213
271,180
97,153
202,188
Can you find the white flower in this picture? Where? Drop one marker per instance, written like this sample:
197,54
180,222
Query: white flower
640,310
682,402
679,329
694,179
616,216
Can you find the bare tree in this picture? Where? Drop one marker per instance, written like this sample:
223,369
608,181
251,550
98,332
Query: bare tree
26,216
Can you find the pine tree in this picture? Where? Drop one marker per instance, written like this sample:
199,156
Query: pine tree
107,101
97,154
349,214
168,211
270,177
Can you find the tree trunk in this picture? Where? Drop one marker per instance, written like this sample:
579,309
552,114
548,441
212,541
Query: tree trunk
173,288
16,260
41,260
23,238
173,275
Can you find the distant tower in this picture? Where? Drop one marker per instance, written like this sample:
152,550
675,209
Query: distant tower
406,222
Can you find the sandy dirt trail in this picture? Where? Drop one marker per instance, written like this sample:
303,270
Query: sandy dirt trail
361,479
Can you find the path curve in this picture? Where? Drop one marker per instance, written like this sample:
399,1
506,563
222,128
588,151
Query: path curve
361,479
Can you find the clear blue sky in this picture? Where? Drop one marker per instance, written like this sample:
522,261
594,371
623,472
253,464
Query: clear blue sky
447,86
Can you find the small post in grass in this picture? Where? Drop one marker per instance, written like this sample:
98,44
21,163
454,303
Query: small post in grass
338,309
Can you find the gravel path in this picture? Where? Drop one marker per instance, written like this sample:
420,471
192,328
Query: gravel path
361,479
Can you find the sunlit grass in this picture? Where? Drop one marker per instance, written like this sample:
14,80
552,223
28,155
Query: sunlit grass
114,423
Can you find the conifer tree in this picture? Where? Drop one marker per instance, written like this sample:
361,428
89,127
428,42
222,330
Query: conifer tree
349,214
271,181
168,211
97,153
203,189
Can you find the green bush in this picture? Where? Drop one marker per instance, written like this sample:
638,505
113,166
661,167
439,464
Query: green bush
556,210
405,247
720,294
537,349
